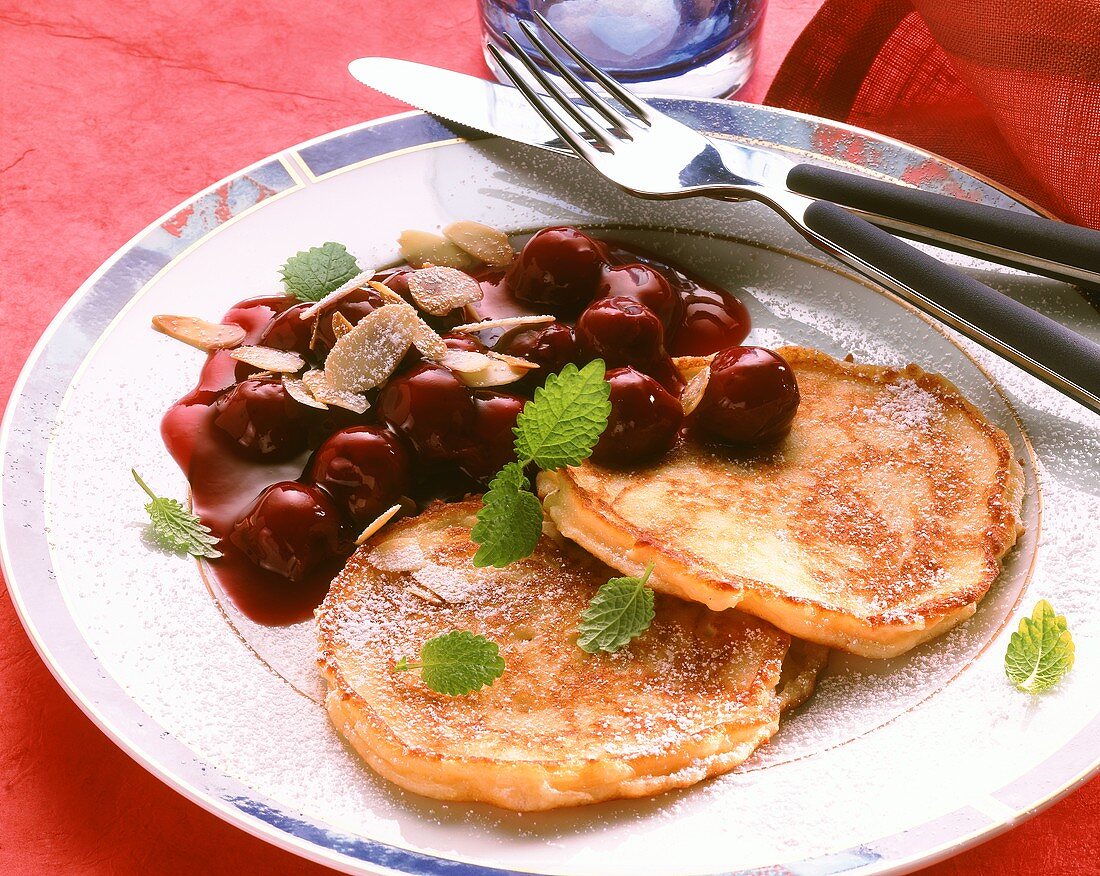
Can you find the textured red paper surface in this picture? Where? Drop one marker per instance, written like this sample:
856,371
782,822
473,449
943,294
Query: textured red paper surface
112,113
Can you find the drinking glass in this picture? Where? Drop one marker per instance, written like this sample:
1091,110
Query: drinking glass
696,48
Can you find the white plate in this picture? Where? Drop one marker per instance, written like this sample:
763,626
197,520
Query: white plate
891,765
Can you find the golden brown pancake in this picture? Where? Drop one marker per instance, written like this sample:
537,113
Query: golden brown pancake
692,697
878,523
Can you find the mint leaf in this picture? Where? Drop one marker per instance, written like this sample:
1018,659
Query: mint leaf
563,422
1040,652
510,520
456,663
620,611
177,529
313,273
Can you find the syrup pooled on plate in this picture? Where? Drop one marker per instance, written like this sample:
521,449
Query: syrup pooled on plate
286,486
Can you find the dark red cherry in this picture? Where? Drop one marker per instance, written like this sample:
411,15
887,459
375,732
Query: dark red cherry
353,308
398,281
466,343
623,332
751,398
551,347
430,407
263,420
289,529
494,442
364,468
288,331
712,320
646,286
644,421
558,270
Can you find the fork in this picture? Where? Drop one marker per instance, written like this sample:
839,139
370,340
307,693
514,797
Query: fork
651,155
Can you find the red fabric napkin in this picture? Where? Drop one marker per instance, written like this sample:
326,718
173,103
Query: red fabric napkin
1010,88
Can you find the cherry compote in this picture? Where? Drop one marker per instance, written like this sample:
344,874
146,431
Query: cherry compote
751,398
644,421
712,319
431,408
623,332
366,469
290,529
558,270
646,286
262,420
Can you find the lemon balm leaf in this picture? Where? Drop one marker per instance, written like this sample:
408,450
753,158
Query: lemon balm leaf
621,610
175,528
1040,652
510,520
565,419
314,273
456,663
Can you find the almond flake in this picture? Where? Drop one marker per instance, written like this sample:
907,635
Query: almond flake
298,391
420,248
356,282
693,392
426,340
380,521
318,385
440,290
484,243
269,359
198,332
341,325
516,361
465,361
498,372
364,357
505,322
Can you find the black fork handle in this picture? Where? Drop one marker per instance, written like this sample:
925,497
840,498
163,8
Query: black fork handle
1045,348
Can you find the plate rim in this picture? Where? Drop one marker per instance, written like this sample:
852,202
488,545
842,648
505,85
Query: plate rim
265,828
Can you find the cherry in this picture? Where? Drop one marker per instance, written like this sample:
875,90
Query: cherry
712,319
551,347
751,398
431,408
289,529
263,420
558,269
353,308
288,331
644,420
398,281
623,332
646,286
466,343
364,468
494,442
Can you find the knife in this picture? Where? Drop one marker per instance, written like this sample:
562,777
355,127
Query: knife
1016,239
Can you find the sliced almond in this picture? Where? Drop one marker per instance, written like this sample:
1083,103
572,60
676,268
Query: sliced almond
515,361
484,243
420,248
439,290
269,359
298,391
318,385
199,333
693,392
465,361
364,357
505,322
378,522
341,325
497,373
426,340
356,282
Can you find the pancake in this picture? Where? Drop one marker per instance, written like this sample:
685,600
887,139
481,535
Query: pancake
878,523
802,665
692,697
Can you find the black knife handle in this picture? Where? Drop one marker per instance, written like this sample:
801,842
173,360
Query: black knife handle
1020,232
1039,338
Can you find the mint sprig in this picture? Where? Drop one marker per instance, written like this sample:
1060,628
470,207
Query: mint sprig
620,611
1041,651
510,522
558,427
314,273
175,528
456,663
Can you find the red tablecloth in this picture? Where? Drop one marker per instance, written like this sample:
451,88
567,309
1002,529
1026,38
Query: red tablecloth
113,112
